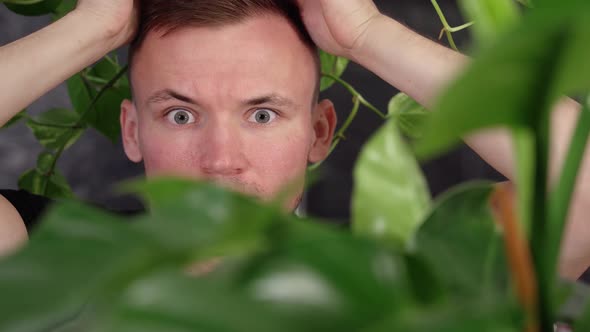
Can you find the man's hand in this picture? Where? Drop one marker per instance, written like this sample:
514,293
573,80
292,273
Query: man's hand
339,26
119,18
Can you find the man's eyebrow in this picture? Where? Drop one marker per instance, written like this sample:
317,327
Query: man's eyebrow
168,94
271,99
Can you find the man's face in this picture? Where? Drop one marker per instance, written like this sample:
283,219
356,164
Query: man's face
231,104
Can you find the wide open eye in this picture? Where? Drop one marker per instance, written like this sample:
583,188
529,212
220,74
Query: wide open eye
180,117
263,116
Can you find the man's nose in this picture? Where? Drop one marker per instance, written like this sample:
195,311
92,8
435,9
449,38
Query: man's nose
222,152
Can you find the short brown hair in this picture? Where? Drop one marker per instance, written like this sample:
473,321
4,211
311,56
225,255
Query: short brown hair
170,15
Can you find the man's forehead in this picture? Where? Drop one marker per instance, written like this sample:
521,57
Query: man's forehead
193,59
272,98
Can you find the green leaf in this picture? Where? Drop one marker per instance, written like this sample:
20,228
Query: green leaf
408,114
76,252
81,258
80,94
482,315
52,186
514,83
206,214
333,65
32,7
56,128
390,196
334,280
105,116
167,301
15,119
492,17
459,236
105,69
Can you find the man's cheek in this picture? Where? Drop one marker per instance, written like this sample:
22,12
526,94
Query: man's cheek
165,159
279,164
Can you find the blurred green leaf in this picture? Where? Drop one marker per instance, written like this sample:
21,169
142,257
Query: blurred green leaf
333,65
390,197
492,17
460,235
482,315
80,254
76,252
334,280
208,215
513,83
408,114
56,127
32,7
168,301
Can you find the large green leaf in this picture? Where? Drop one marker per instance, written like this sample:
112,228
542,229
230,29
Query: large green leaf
226,222
333,279
168,301
459,236
32,7
332,65
80,254
487,315
513,83
390,197
75,252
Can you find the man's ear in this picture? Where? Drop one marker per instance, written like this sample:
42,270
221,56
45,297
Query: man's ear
324,124
130,131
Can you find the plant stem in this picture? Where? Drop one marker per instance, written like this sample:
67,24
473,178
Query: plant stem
79,124
356,94
446,27
539,234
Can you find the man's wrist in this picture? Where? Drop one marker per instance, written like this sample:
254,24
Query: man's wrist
379,27
99,32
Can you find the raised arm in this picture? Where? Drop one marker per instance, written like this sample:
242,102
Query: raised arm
35,64
421,68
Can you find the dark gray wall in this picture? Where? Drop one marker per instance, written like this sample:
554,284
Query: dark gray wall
94,164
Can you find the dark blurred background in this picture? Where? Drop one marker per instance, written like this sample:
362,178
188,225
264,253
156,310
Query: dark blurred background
94,164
